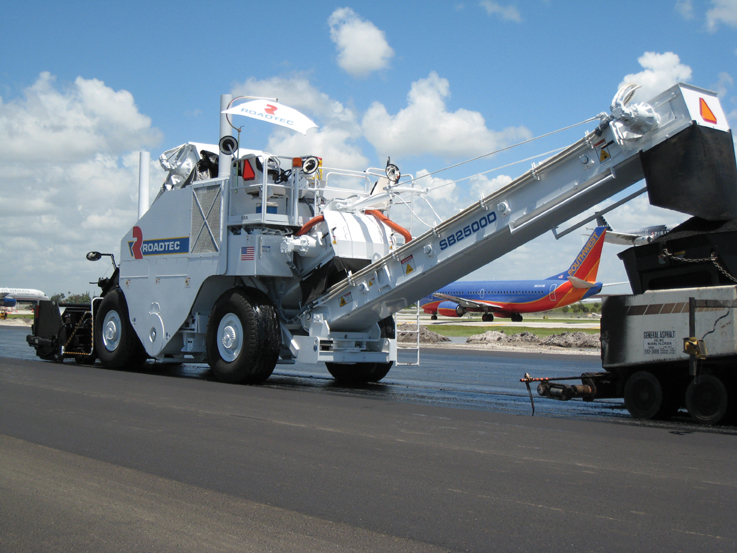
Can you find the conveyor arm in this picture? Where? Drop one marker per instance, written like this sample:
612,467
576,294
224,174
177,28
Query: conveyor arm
593,169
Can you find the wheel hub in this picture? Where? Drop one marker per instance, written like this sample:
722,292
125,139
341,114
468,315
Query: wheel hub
111,326
230,337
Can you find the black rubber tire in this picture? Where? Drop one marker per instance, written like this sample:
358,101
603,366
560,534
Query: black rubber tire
644,397
433,317
50,353
117,346
271,336
707,399
516,318
487,317
252,327
362,373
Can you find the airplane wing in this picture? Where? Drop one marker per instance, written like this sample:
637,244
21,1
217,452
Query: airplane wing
2,295
469,304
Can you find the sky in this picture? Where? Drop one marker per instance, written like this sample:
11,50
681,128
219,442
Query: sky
86,86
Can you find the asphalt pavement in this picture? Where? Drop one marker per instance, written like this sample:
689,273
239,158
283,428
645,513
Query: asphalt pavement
99,460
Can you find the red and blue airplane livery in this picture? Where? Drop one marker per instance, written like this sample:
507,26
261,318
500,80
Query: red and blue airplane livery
511,298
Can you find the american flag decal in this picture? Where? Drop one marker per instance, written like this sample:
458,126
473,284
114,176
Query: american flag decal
248,253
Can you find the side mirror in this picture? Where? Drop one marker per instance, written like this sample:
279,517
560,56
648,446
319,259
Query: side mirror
95,256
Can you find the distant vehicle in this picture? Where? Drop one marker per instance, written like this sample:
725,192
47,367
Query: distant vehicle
637,237
511,298
9,297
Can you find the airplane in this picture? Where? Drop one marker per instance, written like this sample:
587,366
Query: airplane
9,297
511,298
637,237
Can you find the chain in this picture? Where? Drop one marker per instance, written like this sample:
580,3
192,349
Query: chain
713,258
77,327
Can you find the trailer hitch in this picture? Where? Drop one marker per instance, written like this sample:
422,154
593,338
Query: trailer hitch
552,389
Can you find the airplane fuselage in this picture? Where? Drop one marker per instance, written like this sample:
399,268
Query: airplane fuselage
505,298
10,296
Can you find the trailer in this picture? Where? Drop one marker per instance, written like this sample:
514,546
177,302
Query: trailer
672,344
247,259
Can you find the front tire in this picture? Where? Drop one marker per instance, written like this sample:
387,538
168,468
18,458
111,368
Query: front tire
116,343
243,337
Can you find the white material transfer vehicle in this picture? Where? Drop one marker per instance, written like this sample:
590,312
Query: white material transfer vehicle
246,259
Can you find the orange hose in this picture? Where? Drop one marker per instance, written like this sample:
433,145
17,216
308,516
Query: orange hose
376,213
391,224
309,224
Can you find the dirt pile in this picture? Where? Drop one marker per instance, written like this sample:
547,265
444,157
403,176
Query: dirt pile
564,340
572,340
426,336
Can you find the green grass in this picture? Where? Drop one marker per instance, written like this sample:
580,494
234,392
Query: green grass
24,316
466,331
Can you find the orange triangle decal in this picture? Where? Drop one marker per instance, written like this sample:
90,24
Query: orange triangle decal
706,113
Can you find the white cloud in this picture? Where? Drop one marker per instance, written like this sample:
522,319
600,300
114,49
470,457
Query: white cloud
722,11
86,119
336,138
69,183
426,127
661,71
482,186
508,13
685,8
362,47
724,83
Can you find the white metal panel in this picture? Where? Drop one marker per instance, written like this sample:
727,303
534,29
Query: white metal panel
656,322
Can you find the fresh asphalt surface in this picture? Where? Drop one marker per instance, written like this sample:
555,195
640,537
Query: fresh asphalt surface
433,460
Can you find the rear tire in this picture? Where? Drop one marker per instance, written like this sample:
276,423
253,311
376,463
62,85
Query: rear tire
707,399
116,343
358,373
362,373
644,396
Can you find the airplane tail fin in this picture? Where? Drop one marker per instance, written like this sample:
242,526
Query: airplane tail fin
586,264
601,222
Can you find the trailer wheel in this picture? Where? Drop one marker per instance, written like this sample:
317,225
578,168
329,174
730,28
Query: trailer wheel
361,373
644,397
116,343
707,399
243,337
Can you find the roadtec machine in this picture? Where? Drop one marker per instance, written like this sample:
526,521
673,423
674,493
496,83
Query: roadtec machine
247,259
